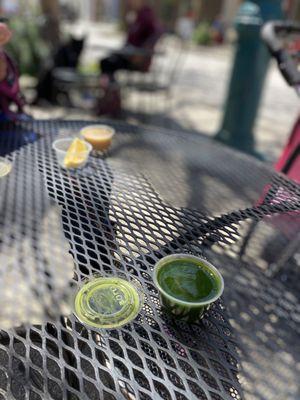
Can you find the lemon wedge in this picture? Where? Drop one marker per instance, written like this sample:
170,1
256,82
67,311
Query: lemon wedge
76,154
5,168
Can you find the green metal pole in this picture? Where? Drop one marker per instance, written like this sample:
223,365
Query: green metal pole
248,74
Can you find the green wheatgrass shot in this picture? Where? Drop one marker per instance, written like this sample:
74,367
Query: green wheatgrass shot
187,281
187,285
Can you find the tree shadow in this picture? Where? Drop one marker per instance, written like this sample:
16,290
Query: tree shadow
13,136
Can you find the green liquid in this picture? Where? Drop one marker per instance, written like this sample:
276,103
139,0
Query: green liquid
188,280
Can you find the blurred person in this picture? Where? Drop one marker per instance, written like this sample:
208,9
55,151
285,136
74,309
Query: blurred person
10,94
218,30
185,25
143,32
288,8
67,55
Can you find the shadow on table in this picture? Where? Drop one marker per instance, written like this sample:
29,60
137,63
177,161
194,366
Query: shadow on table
158,120
205,176
199,177
13,137
105,217
265,316
104,235
33,285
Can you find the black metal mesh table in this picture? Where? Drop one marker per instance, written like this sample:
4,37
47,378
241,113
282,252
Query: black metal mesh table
120,214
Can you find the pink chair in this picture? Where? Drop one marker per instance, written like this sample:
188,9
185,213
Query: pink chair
289,161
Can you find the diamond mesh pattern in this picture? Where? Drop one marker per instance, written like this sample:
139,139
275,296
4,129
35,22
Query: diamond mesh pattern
35,265
116,223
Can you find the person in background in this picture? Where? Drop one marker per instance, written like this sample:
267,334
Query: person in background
143,32
67,56
287,7
10,95
185,25
218,30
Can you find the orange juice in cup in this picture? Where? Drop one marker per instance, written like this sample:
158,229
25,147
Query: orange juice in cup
99,136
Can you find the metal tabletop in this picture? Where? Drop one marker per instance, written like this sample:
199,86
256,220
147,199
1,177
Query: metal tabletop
156,192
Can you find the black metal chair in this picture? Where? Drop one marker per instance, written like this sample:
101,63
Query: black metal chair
141,90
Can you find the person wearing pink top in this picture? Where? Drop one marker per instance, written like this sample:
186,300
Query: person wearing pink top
9,80
143,32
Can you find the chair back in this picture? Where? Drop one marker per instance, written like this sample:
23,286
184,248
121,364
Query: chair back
289,162
167,61
150,45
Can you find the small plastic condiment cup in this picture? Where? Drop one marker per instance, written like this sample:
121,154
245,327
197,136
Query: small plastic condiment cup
99,136
61,146
108,302
184,310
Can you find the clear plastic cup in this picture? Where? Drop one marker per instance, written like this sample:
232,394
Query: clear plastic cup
61,146
67,133
189,311
99,136
108,302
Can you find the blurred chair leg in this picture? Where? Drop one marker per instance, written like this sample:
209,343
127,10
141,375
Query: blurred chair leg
137,108
168,101
285,256
247,238
152,103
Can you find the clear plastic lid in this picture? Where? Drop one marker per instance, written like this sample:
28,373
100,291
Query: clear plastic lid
108,302
5,167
